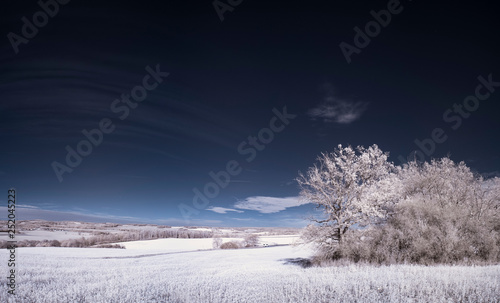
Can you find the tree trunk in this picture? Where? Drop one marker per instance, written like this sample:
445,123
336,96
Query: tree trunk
339,236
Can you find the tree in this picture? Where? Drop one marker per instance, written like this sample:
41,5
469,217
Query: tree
216,242
251,240
351,188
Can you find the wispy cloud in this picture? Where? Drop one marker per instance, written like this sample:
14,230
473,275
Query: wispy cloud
28,212
287,183
26,206
34,213
222,210
268,205
337,110
243,219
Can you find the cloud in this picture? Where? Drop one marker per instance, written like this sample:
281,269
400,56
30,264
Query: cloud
287,183
336,110
29,212
223,210
243,219
268,205
26,206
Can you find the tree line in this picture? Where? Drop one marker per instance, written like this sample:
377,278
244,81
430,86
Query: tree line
108,237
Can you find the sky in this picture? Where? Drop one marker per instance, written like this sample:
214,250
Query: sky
204,112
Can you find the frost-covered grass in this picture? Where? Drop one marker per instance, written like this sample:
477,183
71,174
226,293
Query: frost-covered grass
171,244
178,245
244,275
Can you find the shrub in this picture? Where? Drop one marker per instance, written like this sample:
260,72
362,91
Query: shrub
110,246
230,245
425,234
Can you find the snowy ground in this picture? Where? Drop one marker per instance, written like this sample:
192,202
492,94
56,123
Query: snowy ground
278,240
39,230
172,244
178,245
270,274
39,235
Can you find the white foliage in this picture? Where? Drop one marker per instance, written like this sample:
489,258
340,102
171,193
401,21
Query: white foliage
449,184
351,188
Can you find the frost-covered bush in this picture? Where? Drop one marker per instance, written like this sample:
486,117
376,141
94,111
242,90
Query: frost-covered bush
446,215
110,246
230,245
424,234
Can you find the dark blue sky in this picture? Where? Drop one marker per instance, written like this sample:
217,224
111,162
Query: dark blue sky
433,68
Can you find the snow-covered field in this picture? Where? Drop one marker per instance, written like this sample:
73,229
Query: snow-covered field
52,274
172,244
178,245
48,235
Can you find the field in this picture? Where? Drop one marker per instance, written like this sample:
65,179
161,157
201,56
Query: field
264,274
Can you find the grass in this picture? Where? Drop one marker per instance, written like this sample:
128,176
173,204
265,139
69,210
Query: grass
247,275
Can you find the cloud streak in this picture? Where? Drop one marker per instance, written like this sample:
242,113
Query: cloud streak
336,110
30,212
223,210
268,205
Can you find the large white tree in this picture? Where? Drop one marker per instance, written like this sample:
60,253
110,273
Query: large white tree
351,188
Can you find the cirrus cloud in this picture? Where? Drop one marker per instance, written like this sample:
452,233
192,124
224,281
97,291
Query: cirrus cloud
268,205
222,210
336,110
